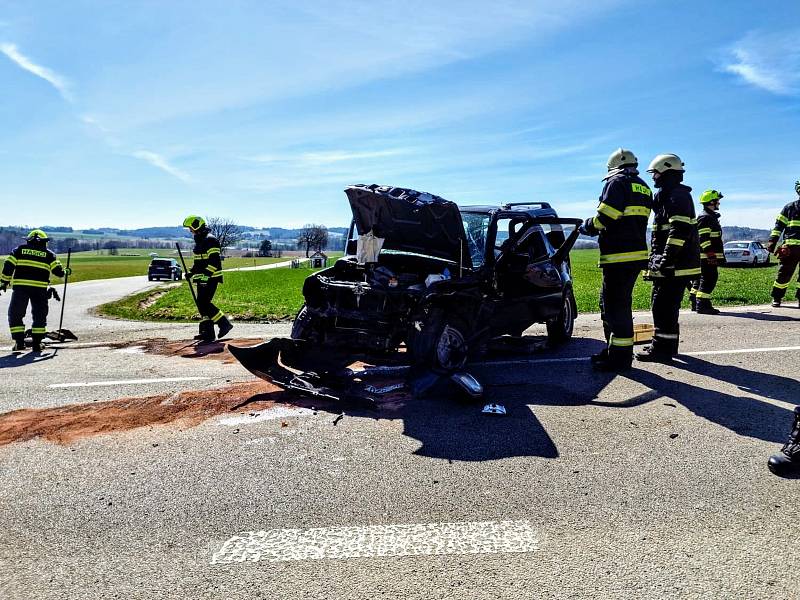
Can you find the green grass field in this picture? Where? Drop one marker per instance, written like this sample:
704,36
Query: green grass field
88,265
275,295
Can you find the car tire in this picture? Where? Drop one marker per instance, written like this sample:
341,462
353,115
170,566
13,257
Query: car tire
559,330
149,278
442,344
303,326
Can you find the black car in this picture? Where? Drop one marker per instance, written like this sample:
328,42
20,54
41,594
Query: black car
164,268
420,273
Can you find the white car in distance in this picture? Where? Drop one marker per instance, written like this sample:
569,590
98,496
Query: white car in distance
745,253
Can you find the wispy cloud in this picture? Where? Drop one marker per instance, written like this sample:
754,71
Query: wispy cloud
160,162
770,61
25,63
329,157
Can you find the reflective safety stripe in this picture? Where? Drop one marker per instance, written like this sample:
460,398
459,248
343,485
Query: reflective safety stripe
56,263
793,223
791,242
609,211
780,286
17,329
34,264
29,283
703,230
636,211
606,259
693,291
705,244
704,255
782,219
703,295
715,234
676,241
620,341
216,275
217,316
682,272
775,233
5,278
682,219
35,330
663,227
199,256
666,336
641,189
12,260
212,268
598,224
212,251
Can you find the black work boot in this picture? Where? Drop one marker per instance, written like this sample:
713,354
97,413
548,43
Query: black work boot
776,303
704,307
649,354
601,356
788,459
37,346
207,331
19,342
224,327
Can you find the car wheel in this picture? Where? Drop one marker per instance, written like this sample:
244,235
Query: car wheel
442,343
149,278
303,326
560,329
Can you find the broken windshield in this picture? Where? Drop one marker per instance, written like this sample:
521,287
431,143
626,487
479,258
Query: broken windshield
476,226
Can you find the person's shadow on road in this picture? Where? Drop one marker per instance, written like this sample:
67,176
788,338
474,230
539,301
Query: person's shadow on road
20,360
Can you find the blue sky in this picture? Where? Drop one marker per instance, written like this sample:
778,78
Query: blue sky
130,114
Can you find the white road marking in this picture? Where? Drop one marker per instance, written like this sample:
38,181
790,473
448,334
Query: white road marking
125,382
471,537
742,351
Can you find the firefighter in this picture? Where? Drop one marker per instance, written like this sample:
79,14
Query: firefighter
711,254
674,254
787,224
206,272
27,269
788,459
621,226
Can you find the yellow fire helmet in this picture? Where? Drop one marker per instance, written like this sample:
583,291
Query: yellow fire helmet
36,234
710,196
193,222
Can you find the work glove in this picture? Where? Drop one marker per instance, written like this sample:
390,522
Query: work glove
53,293
188,275
660,263
200,279
67,271
3,286
771,247
587,228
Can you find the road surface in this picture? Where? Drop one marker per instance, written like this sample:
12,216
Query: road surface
648,485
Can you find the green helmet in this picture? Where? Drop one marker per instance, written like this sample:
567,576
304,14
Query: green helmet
36,234
194,223
710,196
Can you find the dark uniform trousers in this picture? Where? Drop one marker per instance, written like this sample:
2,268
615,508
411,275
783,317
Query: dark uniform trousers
615,308
703,286
18,306
205,297
786,269
666,300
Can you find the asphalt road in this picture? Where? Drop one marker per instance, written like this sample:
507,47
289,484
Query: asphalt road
652,484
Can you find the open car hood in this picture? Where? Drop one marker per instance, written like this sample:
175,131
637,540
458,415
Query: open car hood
410,221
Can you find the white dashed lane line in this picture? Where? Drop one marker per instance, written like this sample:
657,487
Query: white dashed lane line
470,537
125,382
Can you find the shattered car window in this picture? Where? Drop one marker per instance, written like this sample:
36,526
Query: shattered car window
476,227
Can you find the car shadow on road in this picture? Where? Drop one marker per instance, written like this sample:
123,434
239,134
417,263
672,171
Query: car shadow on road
741,414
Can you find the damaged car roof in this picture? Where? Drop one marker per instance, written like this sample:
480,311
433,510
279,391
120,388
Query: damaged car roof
410,221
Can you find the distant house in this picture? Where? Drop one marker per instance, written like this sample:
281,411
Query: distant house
318,260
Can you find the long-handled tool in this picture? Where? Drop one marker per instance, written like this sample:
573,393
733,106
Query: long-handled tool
194,295
63,335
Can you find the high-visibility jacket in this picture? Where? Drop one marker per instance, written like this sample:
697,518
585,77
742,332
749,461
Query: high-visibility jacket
788,224
207,259
710,234
621,221
30,266
675,232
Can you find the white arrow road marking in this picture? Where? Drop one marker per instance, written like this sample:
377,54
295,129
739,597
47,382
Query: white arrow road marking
471,537
124,382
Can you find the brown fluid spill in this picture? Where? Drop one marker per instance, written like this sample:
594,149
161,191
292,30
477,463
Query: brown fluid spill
217,350
64,424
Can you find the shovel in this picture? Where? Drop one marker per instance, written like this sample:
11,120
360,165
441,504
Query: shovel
63,335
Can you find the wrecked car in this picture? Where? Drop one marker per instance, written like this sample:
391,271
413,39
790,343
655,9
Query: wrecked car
427,283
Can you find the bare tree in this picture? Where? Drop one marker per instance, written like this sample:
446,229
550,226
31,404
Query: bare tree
312,236
227,232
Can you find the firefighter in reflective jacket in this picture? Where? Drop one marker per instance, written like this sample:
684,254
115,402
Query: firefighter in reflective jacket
27,269
206,273
621,224
787,224
711,254
674,254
